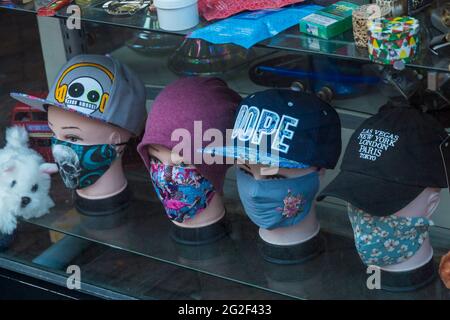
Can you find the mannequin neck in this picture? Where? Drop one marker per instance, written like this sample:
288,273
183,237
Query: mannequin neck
417,208
110,184
210,215
292,235
420,258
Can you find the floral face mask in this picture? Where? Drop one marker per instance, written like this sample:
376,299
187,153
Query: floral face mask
279,202
387,240
183,191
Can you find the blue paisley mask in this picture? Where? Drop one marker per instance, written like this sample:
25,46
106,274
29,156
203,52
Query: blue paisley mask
82,165
387,240
183,191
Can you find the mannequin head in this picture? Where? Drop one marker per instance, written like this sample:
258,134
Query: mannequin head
389,159
280,139
182,114
214,209
298,232
95,104
77,129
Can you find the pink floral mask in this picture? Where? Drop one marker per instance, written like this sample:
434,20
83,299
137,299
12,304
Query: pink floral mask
277,203
183,191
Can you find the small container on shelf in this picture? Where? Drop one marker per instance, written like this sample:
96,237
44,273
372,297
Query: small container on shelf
360,18
404,7
177,15
393,40
330,21
395,7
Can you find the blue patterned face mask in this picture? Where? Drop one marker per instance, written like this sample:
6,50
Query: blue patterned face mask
387,240
183,191
275,203
82,165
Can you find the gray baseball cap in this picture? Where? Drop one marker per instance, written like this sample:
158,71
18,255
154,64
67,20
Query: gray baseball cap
98,87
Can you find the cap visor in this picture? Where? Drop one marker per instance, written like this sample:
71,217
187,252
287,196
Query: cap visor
252,156
372,195
34,102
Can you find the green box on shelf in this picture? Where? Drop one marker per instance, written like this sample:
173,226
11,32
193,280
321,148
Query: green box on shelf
317,44
330,21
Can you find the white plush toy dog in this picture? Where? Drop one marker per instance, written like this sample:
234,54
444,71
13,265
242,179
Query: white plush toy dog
24,181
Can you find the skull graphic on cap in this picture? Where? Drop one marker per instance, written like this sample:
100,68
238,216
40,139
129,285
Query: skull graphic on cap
84,87
84,94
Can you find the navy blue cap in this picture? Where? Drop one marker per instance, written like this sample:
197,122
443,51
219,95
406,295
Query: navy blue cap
286,129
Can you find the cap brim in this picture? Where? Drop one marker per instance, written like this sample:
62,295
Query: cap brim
252,155
35,102
373,195
41,105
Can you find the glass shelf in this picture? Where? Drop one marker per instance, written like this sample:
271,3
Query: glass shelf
289,40
116,274
336,274
153,71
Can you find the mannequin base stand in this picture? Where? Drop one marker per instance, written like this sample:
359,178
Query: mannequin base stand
294,254
200,236
291,274
5,241
101,214
408,280
195,254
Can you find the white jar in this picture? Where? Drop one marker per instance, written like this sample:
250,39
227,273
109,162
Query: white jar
177,15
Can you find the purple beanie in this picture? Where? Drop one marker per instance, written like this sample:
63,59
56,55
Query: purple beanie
180,104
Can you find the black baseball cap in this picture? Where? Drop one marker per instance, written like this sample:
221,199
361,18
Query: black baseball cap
302,131
390,159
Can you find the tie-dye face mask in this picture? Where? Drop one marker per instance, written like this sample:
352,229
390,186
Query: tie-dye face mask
183,191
